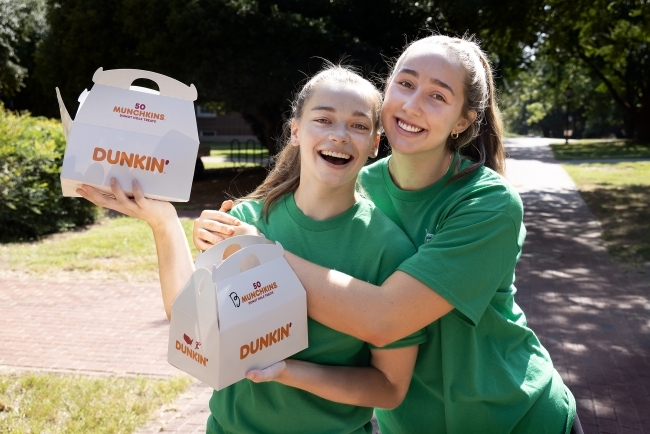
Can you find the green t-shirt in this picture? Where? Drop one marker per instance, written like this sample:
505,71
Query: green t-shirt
482,369
361,242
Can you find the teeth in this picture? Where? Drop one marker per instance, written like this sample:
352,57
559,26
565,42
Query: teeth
409,128
336,154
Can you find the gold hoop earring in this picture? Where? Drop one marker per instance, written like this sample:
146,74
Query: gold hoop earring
454,137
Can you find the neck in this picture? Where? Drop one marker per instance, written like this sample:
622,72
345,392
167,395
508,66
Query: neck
322,202
415,172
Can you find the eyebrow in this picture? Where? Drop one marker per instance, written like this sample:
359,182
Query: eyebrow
331,109
435,81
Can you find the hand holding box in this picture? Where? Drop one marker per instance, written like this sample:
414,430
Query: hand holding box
248,312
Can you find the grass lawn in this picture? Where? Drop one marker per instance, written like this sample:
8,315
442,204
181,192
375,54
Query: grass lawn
619,196
119,248
72,404
589,149
250,155
227,164
250,152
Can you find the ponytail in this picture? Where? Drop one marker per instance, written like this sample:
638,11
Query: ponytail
485,145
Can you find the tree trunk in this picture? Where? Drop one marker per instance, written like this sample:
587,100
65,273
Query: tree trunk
643,114
643,128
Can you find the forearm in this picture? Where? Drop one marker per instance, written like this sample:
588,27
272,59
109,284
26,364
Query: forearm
376,314
360,386
175,264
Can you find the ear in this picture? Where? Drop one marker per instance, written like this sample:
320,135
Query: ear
465,122
294,133
375,147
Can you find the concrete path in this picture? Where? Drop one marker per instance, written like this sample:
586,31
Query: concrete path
593,318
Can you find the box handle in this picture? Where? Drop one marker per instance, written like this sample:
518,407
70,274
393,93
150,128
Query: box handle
198,297
123,78
248,262
245,259
215,254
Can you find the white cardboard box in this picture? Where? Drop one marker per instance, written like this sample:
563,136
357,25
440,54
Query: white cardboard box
129,132
245,312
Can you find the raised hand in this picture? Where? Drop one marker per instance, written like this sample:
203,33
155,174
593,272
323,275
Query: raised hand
212,227
154,212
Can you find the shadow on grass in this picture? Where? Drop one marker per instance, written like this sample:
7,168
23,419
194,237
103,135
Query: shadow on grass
624,214
600,150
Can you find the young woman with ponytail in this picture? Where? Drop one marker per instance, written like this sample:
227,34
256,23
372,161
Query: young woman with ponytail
481,369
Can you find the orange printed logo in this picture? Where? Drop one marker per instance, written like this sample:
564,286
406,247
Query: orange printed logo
189,352
135,161
265,341
260,292
139,112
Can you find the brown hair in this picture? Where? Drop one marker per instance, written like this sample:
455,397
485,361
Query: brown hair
482,141
285,175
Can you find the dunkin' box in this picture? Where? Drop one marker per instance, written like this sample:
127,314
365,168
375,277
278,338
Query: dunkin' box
130,132
243,308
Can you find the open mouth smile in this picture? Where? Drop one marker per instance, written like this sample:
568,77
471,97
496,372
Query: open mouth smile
408,127
336,158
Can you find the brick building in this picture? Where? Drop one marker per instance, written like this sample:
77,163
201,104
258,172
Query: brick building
214,127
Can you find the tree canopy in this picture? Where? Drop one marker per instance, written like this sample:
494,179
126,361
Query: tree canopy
20,22
601,50
251,55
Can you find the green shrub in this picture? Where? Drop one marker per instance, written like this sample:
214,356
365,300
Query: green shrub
31,154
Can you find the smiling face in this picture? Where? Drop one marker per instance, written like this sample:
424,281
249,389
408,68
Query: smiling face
424,101
336,134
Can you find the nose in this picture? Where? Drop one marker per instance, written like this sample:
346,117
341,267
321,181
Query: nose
339,134
411,104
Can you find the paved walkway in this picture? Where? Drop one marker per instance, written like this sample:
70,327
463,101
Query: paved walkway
592,317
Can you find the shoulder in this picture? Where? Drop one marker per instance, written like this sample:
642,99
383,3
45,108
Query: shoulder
381,232
372,171
248,211
484,190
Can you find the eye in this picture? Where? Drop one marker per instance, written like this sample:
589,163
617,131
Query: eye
439,97
405,83
360,127
322,120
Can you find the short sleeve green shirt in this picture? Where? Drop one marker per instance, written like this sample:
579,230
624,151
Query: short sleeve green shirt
361,242
482,369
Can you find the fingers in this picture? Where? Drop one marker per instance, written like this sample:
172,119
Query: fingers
211,228
246,229
120,202
209,237
219,216
125,201
267,374
100,199
88,193
201,245
255,375
138,193
216,227
226,205
119,194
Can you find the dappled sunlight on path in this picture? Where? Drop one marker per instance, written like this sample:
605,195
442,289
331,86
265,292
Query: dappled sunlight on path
591,315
